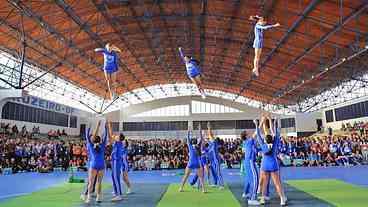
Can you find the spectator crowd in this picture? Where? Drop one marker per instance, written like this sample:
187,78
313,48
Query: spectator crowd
21,152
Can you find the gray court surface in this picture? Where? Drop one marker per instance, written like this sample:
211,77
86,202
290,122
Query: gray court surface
297,197
143,195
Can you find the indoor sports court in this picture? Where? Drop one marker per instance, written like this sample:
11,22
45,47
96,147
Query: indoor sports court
183,103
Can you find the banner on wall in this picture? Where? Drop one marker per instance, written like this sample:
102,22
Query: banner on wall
43,104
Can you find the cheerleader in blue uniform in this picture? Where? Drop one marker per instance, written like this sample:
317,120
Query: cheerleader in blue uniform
193,71
110,66
194,162
269,164
251,172
215,158
204,159
96,147
84,194
258,40
116,162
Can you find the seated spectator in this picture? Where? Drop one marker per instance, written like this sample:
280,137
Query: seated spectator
15,131
52,134
63,133
24,131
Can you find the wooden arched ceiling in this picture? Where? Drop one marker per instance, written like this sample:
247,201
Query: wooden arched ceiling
217,32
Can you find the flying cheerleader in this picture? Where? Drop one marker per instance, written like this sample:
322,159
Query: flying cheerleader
258,40
193,71
110,66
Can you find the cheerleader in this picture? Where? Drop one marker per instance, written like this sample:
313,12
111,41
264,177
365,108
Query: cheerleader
110,66
96,147
193,71
258,40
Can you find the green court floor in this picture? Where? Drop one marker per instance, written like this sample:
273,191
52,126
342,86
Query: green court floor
305,193
335,192
59,196
192,197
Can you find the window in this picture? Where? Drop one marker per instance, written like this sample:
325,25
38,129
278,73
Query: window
155,126
225,124
73,122
288,123
329,116
178,110
352,111
245,124
20,112
115,126
204,107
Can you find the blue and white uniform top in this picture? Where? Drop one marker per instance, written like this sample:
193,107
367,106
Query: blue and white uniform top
249,150
110,60
97,158
117,151
258,35
204,155
269,161
192,66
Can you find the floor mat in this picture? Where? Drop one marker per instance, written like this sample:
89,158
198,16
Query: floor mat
192,197
335,192
296,197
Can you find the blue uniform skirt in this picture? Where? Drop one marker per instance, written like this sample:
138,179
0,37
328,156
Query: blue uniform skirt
109,69
257,44
204,160
194,164
193,72
269,164
97,166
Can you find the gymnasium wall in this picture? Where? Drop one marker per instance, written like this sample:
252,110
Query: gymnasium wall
247,113
307,122
31,102
336,125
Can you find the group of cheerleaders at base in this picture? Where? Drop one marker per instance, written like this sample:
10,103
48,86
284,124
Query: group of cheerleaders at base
204,157
268,145
192,65
96,146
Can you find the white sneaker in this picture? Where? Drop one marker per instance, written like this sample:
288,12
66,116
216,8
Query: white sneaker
88,199
117,198
267,198
255,72
283,201
262,200
253,203
245,195
98,198
83,197
221,187
129,191
203,95
212,185
114,96
181,190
